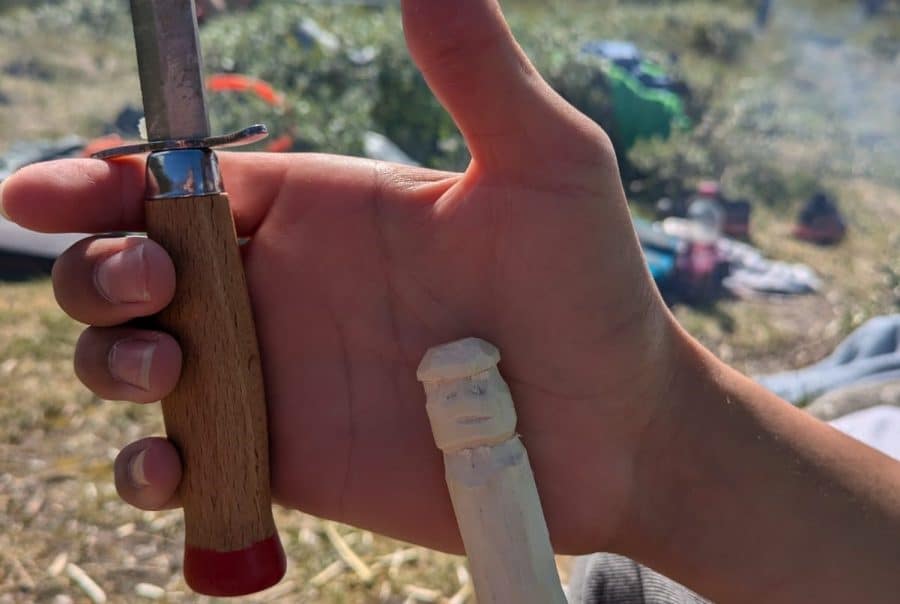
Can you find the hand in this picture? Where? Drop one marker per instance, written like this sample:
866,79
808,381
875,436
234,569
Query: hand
356,267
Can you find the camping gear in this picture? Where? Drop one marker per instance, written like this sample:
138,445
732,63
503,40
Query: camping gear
660,251
820,221
870,355
700,272
217,414
488,474
311,36
727,217
689,230
661,265
749,272
235,82
752,273
708,212
646,102
737,218
683,259
700,267
776,278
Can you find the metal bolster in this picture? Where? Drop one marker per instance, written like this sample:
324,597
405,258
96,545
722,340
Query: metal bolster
183,173
185,167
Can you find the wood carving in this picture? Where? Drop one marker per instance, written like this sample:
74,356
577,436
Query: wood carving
488,475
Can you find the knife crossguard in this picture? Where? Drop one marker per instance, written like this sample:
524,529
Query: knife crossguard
247,136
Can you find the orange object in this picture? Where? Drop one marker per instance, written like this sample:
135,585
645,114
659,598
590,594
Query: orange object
282,144
235,82
110,141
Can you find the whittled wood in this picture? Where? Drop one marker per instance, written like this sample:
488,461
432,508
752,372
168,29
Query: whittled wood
217,414
491,484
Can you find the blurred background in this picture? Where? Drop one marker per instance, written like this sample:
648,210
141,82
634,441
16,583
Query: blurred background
758,143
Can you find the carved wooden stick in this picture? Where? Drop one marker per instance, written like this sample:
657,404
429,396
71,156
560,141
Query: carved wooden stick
488,474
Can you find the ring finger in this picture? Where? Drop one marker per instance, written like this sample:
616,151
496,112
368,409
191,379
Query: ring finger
127,364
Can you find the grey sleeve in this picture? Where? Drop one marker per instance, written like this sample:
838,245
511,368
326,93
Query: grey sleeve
612,579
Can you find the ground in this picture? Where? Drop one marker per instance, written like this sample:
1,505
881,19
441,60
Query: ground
58,506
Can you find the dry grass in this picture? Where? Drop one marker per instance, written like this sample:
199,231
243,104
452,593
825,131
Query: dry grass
62,81
58,504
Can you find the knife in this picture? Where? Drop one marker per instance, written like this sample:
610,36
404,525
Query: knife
216,416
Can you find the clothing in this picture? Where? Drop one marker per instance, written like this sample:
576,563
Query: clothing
869,355
608,578
844,401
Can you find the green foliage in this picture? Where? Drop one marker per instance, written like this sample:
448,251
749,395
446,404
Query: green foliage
407,112
333,93
775,113
575,76
327,96
801,110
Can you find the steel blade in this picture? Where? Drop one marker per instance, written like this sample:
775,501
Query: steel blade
170,65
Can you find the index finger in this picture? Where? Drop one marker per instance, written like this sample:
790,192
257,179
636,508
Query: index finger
94,196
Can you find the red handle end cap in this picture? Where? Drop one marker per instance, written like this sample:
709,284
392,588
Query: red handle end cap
236,573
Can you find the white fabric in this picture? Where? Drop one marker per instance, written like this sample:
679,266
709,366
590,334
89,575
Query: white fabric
752,272
878,427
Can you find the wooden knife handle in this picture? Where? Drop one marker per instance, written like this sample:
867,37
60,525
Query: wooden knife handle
216,416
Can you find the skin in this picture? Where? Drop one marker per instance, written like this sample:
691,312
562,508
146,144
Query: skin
641,442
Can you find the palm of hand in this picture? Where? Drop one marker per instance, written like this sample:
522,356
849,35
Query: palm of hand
351,288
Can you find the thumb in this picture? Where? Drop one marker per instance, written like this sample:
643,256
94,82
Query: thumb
509,115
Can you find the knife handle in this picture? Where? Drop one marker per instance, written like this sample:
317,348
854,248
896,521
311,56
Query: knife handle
216,416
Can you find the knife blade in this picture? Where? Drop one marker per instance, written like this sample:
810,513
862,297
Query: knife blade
170,68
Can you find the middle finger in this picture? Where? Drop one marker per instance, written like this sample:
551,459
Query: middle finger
112,281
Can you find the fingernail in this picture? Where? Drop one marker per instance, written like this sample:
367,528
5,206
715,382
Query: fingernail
122,278
136,470
130,361
2,211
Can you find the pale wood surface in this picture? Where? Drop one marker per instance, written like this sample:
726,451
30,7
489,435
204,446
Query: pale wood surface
217,414
488,475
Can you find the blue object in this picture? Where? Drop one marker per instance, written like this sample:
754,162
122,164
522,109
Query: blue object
871,354
660,250
662,265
